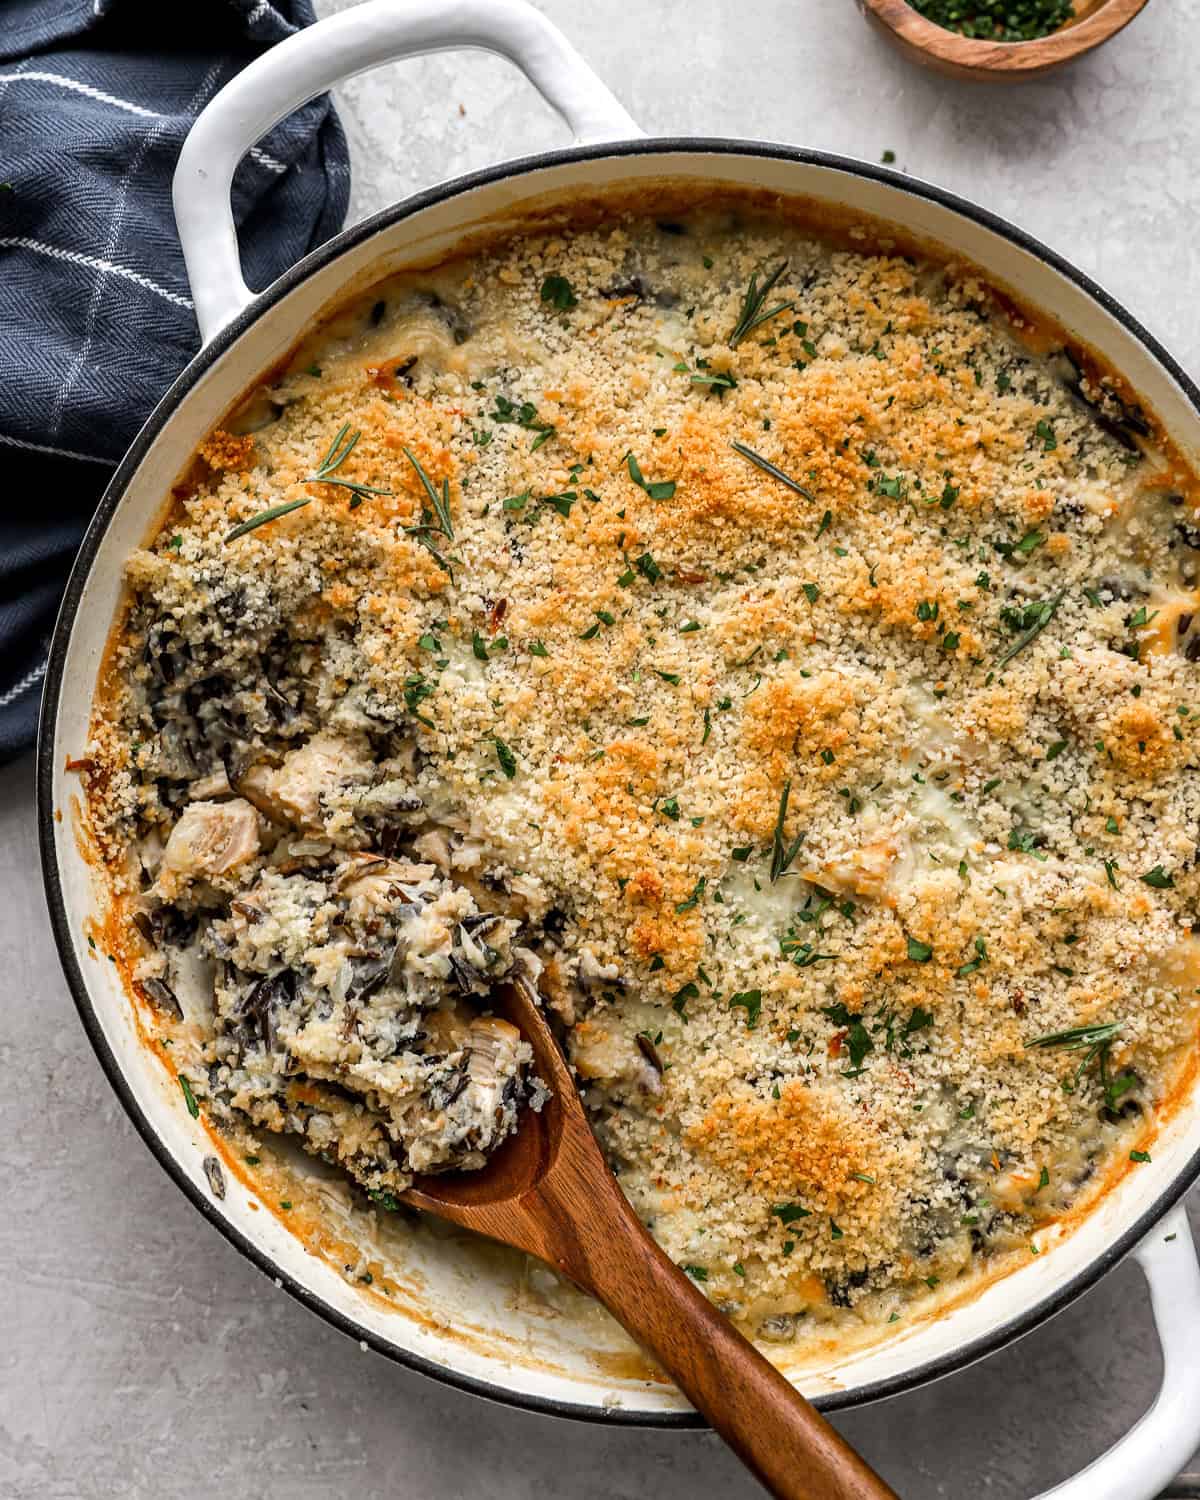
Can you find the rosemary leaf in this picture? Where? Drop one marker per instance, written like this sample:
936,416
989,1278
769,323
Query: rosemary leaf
263,517
1078,1037
782,855
752,314
440,503
339,451
769,468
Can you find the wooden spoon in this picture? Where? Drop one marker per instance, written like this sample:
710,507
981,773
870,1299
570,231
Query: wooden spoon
1097,21
548,1191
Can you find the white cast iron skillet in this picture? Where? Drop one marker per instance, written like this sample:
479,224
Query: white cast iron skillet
471,1331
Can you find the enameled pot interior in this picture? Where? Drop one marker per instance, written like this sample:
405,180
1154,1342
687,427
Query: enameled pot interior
478,1320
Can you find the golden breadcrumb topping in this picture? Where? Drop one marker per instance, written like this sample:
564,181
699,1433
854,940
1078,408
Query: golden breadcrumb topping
798,641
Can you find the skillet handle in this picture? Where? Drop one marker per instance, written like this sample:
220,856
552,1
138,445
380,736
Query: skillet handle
310,62
1149,1456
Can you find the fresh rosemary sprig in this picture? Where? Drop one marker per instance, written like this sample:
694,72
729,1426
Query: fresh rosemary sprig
339,451
782,855
769,468
263,517
440,503
426,528
752,315
1095,1042
1078,1037
1049,608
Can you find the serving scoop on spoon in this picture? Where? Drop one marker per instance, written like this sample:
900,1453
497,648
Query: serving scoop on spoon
547,1190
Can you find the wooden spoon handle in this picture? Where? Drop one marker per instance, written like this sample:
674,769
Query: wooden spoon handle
778,1435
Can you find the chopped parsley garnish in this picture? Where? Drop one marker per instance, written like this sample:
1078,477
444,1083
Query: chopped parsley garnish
508,761
751,1002
788,1213
1159,879
919,952
977,962
1043,613
1046,433
858,1038
1030,542
416,689
189,1098
657,489
1139,1156
686,992
697,1273
1027,841
720,382
525,416
557,290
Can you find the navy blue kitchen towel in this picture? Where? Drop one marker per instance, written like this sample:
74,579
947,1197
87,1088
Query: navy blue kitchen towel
96,97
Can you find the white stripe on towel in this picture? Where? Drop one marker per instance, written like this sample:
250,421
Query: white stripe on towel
93,263
263,158
23,686
87,458
39,76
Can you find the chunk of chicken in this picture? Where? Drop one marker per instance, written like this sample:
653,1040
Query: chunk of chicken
212,837
861,872
292,793
606,1055
494,1057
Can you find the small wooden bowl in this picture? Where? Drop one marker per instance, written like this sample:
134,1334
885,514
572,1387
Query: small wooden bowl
965,57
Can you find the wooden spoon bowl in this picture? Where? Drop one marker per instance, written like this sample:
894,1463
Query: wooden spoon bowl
1096,22
547,1190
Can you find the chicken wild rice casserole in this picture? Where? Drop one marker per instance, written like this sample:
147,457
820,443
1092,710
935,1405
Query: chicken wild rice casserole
778,649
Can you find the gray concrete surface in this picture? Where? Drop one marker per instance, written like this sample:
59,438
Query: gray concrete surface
140,1356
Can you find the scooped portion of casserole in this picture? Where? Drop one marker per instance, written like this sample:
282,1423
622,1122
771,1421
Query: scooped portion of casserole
773,645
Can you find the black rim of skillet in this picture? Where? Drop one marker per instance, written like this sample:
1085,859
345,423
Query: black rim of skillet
966,1354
